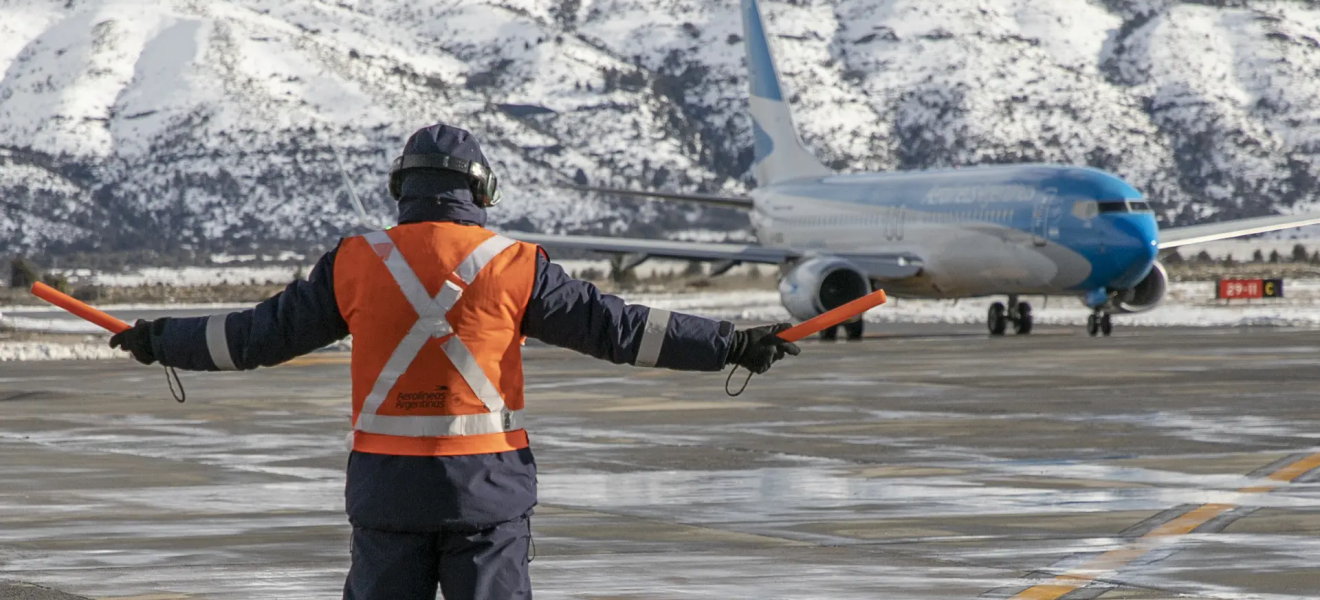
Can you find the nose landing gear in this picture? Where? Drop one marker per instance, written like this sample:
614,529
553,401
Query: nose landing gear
1099,323
1017,313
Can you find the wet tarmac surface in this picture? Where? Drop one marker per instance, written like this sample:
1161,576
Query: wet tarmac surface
1154,464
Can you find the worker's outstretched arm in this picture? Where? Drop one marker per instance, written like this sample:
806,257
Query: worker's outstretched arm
298,320
573,314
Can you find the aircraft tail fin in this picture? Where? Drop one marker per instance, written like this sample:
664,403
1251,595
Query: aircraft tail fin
779,153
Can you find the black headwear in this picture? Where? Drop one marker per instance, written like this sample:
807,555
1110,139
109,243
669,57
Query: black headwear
447,150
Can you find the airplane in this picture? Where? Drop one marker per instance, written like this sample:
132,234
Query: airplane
1002,230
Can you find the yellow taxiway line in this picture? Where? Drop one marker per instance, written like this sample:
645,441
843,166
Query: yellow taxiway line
1112,561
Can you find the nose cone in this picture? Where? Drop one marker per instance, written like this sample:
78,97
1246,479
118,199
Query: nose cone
1135,247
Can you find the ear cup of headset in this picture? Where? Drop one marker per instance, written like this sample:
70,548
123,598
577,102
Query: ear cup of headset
492,191
396,179
486,193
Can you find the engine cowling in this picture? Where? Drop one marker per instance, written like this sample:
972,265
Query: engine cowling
1147,294
820,284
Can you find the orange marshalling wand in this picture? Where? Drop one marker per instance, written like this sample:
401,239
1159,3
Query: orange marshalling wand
792,334
78,308
833,317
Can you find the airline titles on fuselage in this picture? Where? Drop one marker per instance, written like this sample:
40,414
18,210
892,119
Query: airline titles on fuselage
985,194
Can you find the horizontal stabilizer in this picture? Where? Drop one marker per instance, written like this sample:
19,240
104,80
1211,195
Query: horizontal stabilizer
1195,234
735,202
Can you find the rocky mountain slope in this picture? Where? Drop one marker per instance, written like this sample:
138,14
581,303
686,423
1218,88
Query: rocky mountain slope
214,125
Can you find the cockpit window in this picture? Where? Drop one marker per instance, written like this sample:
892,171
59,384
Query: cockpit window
1123,206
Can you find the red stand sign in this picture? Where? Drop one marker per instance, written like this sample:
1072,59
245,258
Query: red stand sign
1235,289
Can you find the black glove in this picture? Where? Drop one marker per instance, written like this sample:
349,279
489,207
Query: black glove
757,348
137,340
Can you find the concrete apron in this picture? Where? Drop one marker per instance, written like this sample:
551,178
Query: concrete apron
1155,464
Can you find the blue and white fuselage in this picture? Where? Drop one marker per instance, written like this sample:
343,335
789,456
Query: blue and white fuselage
1026,229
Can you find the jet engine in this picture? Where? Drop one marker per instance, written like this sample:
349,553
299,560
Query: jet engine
820,284
1147,294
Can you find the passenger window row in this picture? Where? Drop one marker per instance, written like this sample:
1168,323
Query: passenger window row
909,217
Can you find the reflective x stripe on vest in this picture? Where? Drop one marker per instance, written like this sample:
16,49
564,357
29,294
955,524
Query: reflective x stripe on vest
432,323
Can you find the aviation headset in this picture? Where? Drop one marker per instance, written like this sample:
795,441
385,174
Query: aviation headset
484,184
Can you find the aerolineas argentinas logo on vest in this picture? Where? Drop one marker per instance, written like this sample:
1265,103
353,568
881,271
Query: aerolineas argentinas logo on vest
433,399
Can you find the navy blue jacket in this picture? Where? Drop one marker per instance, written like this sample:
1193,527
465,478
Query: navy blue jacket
411,493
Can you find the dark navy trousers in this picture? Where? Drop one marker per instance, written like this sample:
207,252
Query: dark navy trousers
487,564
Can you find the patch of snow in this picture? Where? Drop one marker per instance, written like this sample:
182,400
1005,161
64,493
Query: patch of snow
31,351
50,319
1188,304
196,276
196,306
58,325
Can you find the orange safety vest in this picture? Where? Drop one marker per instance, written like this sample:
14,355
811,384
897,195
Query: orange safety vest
435,312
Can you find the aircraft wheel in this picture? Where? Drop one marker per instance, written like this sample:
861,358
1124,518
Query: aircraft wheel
829,334
1022,326
1093,325
854,330
1106,325
997,320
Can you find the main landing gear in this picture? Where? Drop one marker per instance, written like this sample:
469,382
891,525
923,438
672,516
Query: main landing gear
1017,313
852,331
1099,323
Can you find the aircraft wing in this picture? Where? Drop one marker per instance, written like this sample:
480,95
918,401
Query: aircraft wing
879,266
1194,234
663,248
735,202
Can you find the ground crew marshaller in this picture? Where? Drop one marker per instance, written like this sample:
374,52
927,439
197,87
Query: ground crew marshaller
441,481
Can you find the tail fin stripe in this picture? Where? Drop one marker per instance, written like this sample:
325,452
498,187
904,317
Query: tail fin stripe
765,82
778,154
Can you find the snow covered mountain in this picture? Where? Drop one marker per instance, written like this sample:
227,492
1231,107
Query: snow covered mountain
214,125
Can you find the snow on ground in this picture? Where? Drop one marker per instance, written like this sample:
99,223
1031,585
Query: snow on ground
48,325
281,274
49,319
58,312
1188,304
92,348
191,276
764,306
25,351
